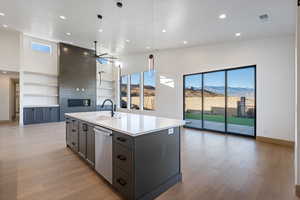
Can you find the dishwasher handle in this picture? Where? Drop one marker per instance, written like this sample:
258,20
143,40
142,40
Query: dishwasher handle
103,131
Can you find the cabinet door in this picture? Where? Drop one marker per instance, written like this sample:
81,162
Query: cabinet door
46,115
68,132
74,135
28,115
54,112
91,145
38,115
82,139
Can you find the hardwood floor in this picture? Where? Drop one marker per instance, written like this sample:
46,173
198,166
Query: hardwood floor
36,165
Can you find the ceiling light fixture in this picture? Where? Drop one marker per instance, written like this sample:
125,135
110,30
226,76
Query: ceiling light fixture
2,14
147,47
62,17
185,42
5,26
164,30
68,34
127,41
119,4
223,16
238,34
100,30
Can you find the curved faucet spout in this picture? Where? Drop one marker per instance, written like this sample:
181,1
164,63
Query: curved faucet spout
112,106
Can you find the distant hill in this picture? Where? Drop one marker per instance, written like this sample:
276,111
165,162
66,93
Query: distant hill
214,91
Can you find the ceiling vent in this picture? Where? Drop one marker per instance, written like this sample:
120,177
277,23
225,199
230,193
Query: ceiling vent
264,17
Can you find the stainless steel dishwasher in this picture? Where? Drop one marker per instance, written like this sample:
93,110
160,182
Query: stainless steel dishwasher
103,152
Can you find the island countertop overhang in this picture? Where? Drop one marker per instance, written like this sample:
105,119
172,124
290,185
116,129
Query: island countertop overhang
127,123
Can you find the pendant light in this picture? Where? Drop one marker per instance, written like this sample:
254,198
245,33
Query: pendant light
151,56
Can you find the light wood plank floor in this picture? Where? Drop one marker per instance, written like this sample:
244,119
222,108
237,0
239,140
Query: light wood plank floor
36,165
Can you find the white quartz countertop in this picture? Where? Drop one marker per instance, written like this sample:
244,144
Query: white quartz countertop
128,123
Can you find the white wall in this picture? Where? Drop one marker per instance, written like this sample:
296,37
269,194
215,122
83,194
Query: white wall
7,98
38,61
275,60
9,50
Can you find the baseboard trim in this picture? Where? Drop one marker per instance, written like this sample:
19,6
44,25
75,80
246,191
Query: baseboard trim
276,141
297,190
5,121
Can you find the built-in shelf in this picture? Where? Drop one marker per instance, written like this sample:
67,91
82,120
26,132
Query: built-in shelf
41,95
105,95
40,73
105,88
41,84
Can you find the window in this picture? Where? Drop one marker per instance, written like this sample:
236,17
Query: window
41,47
135,81
149,90
123,91
222,100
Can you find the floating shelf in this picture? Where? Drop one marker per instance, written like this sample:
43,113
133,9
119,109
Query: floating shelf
41,95
41,84
105,88
105,95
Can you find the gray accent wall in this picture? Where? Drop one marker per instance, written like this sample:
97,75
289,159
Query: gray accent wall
77,69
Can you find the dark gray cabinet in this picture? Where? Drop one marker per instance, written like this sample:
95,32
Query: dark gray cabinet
36,115
90,144
146,165
80,137
68,132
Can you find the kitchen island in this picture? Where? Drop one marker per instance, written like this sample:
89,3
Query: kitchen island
139,155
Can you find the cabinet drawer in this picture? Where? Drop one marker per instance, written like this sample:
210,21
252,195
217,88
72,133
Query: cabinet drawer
122,157
123,139
122,183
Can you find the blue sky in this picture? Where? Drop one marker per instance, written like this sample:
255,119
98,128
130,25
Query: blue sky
149,78
243,78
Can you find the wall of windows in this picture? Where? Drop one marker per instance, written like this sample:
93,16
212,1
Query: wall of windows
123,91
222,100
149,90
141,89
135,91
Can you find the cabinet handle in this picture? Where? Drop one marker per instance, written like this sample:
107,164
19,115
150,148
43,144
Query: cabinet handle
121,157
84,127
121,181
73,130
121,139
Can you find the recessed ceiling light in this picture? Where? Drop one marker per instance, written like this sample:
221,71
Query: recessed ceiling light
223,16
164,30
100,30
147,47
5,26
2,14
238,34
63,17
68,34
127,40
185,42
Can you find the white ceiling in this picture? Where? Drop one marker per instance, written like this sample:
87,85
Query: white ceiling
142,21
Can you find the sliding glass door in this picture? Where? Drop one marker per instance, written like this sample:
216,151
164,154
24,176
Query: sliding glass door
214,101
222,101
193,100
241,101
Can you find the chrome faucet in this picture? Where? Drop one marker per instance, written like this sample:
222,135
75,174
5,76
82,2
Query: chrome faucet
112,106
